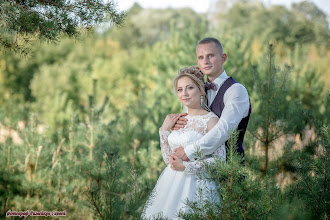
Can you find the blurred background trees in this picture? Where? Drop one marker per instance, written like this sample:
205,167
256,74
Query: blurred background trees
80,116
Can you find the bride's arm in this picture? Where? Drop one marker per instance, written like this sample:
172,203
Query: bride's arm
164,133
164,146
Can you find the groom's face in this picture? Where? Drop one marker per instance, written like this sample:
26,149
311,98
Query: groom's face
210,60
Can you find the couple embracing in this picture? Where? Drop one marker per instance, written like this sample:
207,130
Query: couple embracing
214,109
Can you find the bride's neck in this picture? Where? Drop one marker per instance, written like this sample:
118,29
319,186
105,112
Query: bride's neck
198,111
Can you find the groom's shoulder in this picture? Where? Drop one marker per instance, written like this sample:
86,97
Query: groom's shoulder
236,83
237,87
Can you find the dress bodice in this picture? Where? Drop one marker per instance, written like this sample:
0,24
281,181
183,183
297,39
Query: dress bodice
194,130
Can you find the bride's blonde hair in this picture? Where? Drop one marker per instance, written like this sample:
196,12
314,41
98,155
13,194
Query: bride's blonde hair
196,75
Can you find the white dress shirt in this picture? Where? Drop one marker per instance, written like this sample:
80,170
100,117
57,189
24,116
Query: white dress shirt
236,100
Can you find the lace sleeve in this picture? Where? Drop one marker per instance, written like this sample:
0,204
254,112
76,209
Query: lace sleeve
164,146
193,167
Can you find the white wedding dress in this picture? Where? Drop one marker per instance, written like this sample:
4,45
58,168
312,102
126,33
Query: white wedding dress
173,188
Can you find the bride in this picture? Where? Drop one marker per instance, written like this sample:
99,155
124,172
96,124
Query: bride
179,181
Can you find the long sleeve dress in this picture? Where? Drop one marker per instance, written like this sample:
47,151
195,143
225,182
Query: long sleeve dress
174,188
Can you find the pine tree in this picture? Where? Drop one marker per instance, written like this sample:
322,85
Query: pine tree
311,170
273,116
243,195
23,21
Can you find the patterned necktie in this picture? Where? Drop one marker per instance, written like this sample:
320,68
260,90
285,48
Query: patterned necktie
210,86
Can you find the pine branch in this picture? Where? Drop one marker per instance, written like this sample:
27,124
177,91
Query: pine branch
325,177
274,206
278,89
95,204
47,20
258,137
307,185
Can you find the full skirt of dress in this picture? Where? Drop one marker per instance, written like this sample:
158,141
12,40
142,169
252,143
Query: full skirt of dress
172,191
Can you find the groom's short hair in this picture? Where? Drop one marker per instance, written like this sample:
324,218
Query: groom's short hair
208,40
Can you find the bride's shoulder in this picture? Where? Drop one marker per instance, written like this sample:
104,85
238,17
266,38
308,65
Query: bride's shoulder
212,115
212,121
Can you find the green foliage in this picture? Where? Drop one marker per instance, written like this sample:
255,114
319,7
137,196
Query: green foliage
306,85
274,115
243,195
11,186
25,21
109,93
311,168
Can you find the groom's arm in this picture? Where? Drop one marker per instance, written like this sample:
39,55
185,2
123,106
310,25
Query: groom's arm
236,100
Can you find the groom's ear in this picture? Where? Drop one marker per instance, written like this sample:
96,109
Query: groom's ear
223,58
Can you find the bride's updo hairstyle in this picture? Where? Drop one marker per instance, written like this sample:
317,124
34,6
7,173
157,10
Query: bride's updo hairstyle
195,74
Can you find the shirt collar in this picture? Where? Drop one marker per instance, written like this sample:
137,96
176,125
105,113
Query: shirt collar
220,79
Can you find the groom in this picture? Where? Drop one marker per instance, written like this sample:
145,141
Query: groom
226,98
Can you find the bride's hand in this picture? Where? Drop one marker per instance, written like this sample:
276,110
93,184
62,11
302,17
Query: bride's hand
170,121
181,122
177,163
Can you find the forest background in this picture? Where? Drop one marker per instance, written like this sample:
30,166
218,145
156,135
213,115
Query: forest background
79,119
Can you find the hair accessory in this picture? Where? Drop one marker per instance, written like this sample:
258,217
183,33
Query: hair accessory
194,70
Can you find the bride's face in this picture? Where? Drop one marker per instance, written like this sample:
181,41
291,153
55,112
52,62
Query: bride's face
188,93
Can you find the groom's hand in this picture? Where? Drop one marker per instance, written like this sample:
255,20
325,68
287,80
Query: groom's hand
181,122
177,163
179,152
